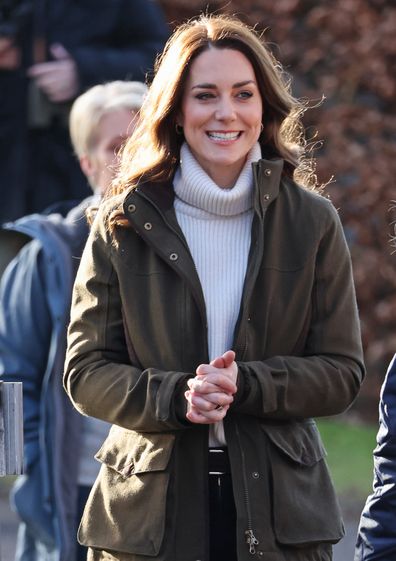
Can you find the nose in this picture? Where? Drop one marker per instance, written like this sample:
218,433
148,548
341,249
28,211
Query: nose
225,110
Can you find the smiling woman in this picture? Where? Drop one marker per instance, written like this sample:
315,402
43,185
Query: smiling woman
213,316
221,113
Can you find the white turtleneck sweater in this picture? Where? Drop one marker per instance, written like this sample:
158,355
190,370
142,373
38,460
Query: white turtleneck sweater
216,223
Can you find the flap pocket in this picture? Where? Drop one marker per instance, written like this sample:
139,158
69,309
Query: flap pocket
301,442
130,452
304,504
127,506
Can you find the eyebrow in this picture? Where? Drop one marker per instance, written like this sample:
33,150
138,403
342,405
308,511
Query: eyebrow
213,86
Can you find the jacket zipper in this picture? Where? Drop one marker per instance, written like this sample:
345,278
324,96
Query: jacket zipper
250,538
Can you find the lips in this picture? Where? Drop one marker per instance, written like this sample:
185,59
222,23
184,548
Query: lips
215,135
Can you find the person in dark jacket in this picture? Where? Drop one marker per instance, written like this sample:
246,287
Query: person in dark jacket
213,317
50,52
35,293
376,540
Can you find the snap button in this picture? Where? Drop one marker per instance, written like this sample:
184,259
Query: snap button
260,553
267,172
173,257
266,197
255,475
148,226
131,208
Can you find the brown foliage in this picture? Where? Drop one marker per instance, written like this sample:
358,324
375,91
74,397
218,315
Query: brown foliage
343,50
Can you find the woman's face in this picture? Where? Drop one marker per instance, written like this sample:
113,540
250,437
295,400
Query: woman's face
112,131
221,113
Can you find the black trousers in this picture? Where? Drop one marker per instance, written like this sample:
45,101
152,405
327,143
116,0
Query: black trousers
222,522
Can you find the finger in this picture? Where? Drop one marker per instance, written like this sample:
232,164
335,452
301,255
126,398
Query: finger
223,361
204,387
228,358
214,398
217,398
204,369
217,362
59,52
42,69
208,403
206,418
216,378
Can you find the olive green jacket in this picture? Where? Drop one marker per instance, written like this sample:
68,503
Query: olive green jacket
138,331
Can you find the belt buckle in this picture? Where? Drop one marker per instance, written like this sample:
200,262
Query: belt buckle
216,451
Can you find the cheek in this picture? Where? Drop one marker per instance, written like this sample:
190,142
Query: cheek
256,117
193,117
256,126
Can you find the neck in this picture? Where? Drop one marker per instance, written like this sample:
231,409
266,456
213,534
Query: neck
227,178
195,188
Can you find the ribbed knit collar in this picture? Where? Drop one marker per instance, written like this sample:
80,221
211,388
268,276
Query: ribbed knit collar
194,187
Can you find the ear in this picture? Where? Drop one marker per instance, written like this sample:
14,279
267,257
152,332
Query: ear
179,119
179,124
86,165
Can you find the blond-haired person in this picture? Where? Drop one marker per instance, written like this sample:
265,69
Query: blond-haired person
34,312
213,316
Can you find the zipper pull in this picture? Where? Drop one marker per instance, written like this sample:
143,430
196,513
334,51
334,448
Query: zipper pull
252,541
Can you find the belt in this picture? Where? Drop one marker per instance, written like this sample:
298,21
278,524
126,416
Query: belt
219,461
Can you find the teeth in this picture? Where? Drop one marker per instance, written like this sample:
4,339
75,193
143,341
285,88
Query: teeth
223,135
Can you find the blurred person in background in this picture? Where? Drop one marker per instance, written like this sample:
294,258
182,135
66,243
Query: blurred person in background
376,540
213,316
50,52
35,295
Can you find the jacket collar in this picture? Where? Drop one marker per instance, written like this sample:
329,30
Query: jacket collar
267,177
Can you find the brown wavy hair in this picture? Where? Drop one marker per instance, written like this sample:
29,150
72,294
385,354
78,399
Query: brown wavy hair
153,151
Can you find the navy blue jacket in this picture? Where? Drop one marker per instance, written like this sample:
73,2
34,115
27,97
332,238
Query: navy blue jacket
35,293
376,539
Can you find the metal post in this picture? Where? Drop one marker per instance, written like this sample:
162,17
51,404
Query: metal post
11,428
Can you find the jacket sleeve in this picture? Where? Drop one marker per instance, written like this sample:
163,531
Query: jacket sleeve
326,378
376,540
99,376
25,331
129,51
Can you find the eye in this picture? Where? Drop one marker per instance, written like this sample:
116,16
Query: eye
204,96
245,95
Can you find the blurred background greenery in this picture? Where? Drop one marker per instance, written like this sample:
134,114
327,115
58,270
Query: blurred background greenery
349,449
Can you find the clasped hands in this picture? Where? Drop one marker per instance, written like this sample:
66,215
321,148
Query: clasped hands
211,392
